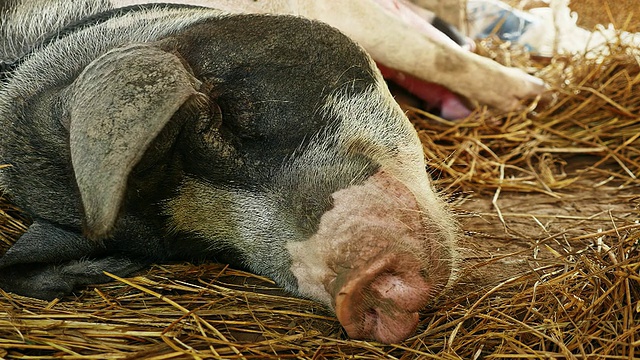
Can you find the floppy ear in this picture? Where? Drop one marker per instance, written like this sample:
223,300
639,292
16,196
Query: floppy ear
119,104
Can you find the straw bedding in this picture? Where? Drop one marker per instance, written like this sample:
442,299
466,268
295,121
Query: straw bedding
548,201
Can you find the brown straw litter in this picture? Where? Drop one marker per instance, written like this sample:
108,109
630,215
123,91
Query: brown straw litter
547,197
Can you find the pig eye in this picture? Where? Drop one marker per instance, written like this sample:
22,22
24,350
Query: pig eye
238,120
209,117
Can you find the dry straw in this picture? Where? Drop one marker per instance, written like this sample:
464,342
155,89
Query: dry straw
547,197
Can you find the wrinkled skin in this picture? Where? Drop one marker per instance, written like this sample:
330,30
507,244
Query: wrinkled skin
180,134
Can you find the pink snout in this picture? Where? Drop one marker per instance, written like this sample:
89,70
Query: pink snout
380,300
380,254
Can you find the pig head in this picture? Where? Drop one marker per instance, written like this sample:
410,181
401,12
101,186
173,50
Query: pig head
227,138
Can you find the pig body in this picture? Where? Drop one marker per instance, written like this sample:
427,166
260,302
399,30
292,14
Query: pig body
401,36
168,132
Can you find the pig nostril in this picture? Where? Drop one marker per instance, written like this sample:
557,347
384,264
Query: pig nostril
424,273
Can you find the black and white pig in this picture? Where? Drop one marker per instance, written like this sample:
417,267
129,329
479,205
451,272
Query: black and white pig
168,132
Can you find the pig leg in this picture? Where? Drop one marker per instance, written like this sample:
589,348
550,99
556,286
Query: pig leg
50,281
409,48
46,243
436,96
44,263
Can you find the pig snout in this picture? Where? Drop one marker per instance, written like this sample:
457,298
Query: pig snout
377,258
381,299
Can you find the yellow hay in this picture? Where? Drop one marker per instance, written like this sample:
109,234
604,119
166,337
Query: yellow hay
548,201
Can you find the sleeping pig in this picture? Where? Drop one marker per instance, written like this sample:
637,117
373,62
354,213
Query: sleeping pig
169,132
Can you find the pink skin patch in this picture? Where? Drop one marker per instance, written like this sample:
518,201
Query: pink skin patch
375,258
436,96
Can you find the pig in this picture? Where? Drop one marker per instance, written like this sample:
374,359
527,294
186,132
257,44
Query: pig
165,132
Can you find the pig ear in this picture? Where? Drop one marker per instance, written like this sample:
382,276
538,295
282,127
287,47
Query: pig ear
119,104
